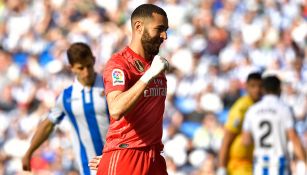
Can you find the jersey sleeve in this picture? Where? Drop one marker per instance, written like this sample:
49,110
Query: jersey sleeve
57,113
115,77
247,125
289,118
234,120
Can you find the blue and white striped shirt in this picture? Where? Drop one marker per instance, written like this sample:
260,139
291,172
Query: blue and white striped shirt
268,121
86,109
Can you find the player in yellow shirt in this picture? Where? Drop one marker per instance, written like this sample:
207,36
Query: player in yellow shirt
235,158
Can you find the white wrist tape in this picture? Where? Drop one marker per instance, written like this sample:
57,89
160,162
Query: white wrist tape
221,171
146,77
300,168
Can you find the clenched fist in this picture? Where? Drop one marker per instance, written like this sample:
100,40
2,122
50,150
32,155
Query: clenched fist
158,65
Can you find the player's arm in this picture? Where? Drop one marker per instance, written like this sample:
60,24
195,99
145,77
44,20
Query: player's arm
298,151
247,138
42,133
231,129
228,138
120,102
298,147
292,135
94,162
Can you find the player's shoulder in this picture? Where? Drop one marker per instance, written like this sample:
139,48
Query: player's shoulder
68,88
99,82
252,109
120,58
67,91
64,94
282,105
236,115
257,106
242,103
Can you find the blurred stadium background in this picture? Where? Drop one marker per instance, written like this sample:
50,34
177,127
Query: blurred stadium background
212,45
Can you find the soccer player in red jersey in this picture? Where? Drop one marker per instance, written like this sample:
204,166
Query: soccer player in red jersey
135,87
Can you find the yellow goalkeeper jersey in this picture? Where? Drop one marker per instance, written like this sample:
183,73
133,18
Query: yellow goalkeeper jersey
240,157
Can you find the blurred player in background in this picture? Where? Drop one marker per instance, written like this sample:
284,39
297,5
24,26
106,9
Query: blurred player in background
269,124
234,158
84,104
136,90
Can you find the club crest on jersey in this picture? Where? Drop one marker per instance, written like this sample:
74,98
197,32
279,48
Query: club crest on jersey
139,65
118,77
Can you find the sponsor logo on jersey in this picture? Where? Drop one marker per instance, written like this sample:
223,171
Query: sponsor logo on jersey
157,90
139,65
118,77
153,92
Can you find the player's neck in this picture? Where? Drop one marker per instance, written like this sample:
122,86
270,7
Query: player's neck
138,49
88,84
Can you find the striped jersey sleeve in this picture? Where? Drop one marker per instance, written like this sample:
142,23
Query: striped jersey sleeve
57,114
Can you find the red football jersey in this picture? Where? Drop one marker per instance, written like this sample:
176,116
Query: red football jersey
142,126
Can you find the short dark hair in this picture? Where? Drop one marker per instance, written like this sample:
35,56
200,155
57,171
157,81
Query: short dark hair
271,84
146,10
254,76
77,52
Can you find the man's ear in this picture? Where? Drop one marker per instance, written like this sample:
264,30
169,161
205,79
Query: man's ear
138,26
70,67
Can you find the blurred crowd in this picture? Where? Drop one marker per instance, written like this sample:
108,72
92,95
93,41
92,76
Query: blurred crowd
212,46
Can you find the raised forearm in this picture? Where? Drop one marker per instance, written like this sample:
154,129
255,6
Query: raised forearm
121,102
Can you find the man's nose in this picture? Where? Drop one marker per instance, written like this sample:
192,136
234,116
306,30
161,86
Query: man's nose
163,35
86,72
